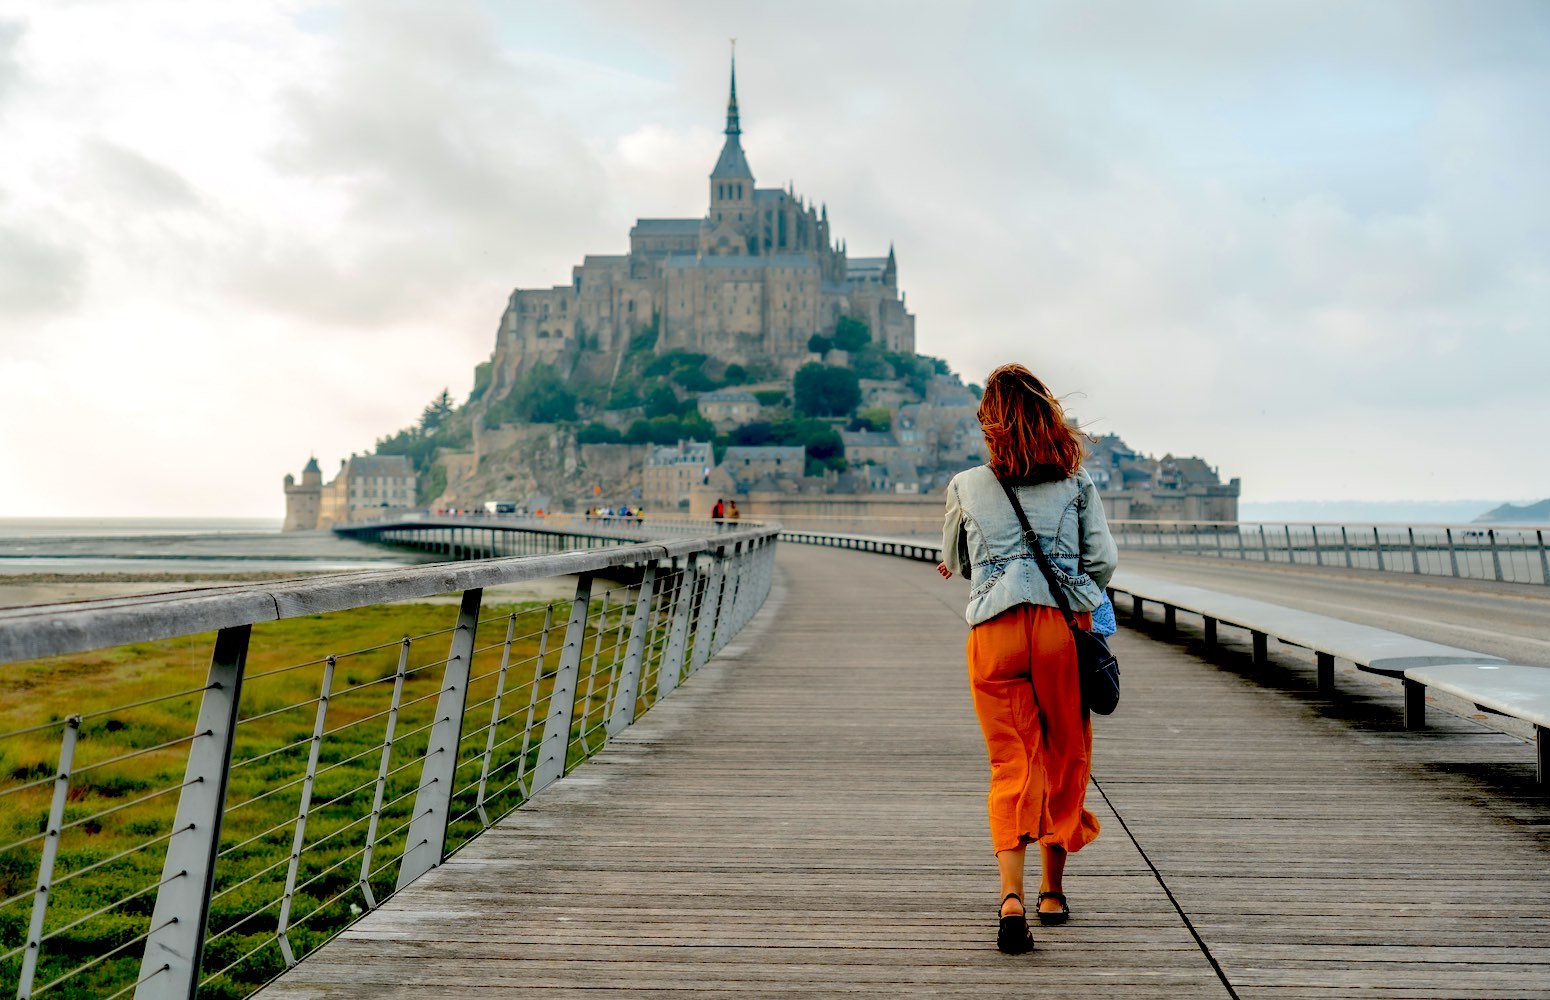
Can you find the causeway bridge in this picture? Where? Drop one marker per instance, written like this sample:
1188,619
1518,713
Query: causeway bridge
737,761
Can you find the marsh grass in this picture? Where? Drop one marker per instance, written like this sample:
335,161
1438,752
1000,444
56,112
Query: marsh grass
139,704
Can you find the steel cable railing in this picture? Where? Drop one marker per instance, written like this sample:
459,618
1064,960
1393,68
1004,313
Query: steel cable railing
247,819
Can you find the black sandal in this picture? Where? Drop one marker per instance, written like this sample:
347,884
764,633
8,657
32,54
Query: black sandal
1052,917
1014,937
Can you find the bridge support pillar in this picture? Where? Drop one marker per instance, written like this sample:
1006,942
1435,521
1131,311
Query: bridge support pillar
1261,649
1170,617
1542,755
1415,704
1326,673
1210,632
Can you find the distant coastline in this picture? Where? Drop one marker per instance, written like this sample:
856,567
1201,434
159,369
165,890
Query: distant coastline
1365,511
133,527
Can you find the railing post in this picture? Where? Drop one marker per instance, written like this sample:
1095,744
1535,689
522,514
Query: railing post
597,649
175,947
1243,555
532,701
1453,556
555,745
1291,558
1345,540
426,844
1264,546
1318,557
56,822
1544,559
731,583
319,723
629,681
1496,556
1415,556
710,610
671,668
495,716
382,773
1377,546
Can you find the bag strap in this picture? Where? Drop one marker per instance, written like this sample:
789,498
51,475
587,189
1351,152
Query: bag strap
1031,539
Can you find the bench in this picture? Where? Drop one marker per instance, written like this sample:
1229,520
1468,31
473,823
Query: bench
1373,650
1521,692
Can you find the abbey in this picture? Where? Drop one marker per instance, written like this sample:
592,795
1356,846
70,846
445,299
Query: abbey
749,282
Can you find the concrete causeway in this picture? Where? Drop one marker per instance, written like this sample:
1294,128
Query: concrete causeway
805,817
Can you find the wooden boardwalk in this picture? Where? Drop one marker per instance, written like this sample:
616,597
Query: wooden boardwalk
805,818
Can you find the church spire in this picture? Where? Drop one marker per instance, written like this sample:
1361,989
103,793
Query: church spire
732,165
733,128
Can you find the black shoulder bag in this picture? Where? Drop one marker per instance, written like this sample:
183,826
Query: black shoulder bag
1096,667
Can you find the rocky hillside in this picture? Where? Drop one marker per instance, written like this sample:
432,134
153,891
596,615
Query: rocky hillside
1534,513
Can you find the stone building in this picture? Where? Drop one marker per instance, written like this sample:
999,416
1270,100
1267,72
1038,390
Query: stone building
304,500
367,487
672,471
728,407
750,282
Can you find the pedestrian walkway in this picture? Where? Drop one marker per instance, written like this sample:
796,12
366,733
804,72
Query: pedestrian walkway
806,818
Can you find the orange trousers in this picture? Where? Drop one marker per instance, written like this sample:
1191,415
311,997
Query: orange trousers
1022,675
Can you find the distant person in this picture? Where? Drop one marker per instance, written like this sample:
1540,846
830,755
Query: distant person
719,511
732,512
1022,659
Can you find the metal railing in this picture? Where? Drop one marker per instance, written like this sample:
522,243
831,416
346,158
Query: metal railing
168,830
1506,554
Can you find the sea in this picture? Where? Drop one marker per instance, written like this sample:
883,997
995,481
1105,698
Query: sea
202,547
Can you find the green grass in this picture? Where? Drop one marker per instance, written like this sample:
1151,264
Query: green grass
126,755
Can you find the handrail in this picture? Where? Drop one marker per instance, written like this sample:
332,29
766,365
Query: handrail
1500,553
429,749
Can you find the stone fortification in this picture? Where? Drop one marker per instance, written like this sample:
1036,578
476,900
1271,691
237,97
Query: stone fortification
749,283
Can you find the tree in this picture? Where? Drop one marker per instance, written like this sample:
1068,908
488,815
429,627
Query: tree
439,409
735,374
819,344
824,391
851,334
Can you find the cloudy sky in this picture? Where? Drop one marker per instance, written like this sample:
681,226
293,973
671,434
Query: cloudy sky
1306,241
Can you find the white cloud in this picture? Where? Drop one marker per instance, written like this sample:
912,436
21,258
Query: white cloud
1305,241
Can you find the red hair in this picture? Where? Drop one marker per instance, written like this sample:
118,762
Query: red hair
1026,429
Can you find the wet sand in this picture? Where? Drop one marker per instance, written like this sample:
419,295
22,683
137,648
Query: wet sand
68,569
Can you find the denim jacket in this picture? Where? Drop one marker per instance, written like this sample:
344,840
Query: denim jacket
983,540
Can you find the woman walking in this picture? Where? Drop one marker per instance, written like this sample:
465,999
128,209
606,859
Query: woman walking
1022,659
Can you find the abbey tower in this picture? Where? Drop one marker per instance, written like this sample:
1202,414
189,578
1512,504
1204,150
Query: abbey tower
750,281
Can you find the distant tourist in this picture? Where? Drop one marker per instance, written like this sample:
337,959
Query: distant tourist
1022,660
719,511
732,512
